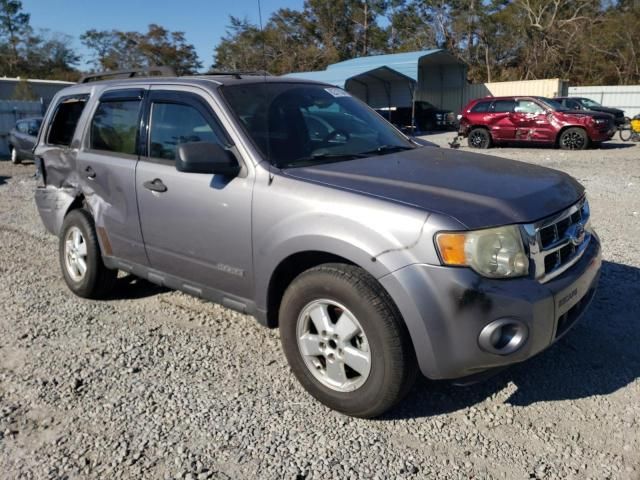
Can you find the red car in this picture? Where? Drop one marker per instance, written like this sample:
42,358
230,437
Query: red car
535,120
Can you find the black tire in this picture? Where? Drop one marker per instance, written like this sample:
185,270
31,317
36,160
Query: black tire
479,138
624,131
14,155
97,281
393,364
573,138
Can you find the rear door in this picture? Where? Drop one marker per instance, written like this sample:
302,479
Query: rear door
106,166
501,122
198,226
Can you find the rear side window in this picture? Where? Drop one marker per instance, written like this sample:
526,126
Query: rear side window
502,106
175,123
21,127
481,107
114,127
65,120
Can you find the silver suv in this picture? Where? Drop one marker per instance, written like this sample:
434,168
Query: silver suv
294,202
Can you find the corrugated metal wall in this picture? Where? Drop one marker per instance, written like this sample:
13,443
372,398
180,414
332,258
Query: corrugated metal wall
625,97
10,112
442,85
445,89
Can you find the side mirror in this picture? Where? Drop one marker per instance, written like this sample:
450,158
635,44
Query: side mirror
204,157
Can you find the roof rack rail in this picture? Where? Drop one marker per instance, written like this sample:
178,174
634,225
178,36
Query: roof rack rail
161,71
237,73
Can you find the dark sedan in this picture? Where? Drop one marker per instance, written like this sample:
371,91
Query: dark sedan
22,138
581,103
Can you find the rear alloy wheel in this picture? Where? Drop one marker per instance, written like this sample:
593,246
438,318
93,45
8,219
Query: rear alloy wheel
15,158
345,340
479,138
80,258
574,139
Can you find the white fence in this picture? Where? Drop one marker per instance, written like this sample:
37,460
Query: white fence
624,97
10,112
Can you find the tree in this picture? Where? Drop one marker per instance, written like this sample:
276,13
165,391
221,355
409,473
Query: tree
23,91
14,25
118,50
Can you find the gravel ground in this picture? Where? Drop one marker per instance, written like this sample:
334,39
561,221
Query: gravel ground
156,384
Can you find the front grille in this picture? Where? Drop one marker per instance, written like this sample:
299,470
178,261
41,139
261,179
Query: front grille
557,242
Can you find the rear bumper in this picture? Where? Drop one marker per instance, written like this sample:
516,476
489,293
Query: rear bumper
445,310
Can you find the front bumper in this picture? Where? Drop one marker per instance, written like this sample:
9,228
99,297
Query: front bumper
445,310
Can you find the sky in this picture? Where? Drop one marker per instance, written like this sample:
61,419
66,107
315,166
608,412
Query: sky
203,21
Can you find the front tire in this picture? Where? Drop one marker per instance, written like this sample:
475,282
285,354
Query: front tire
345,340
15,158
573,139
80,258
479,138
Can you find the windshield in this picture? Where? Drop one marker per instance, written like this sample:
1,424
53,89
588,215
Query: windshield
557,106
590,103
297,125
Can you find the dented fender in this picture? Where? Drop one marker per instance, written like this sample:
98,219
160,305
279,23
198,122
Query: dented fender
53,203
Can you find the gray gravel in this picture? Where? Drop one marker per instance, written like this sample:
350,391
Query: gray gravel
157,384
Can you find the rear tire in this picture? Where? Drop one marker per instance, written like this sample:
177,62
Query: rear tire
479,138
333,315
15,158
80,258
573,138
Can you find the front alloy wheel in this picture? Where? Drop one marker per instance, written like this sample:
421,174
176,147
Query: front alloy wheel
574,139
334,346
345,340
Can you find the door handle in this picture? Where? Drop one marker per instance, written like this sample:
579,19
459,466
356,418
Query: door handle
155,185
91,173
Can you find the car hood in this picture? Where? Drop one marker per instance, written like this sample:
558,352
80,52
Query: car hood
586,113
612,111
477,190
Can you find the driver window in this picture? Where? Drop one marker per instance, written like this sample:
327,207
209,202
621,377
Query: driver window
528,106
573,105
175,123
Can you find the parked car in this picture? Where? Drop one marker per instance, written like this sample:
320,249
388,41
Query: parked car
581,103
376,258
532,120
22,138
427,117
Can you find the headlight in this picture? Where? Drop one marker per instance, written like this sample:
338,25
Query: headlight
494,252
600,121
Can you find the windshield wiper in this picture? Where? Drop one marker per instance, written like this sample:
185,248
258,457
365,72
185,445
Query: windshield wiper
382,149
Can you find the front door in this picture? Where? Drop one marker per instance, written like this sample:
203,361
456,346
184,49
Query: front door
196,227
532,122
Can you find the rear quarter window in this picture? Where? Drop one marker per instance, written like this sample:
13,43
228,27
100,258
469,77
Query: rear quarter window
65,120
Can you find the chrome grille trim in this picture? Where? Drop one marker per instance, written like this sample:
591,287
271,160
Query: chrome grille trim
565,228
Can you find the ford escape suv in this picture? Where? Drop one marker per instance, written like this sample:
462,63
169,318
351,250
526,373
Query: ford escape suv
294,202
532,120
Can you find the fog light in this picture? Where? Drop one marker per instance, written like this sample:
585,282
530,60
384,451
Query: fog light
503,336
